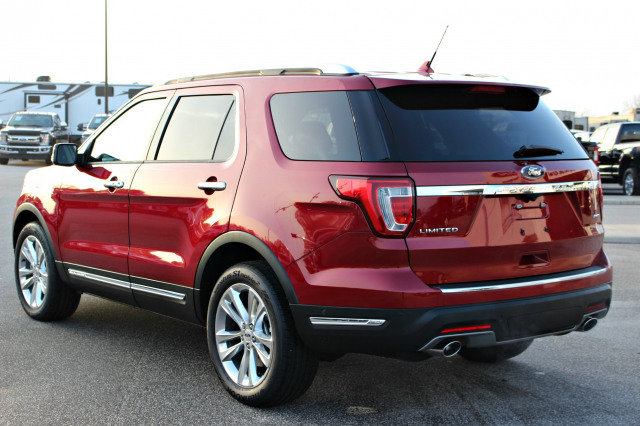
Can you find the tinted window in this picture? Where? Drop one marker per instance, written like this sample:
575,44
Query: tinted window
31,120
371,125
630,133
315,126
195,127
227,141
473,123
127,138
100,91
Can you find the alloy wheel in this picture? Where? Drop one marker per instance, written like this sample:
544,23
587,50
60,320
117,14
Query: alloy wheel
33,272
243,335
628,184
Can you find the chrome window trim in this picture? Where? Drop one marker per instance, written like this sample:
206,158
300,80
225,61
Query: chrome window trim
544,281
347,321
507,189
159,292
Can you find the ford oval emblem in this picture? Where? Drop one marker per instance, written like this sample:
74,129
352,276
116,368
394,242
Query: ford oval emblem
533,172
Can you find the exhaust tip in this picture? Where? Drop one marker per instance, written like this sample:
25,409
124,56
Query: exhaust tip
451,349
588,324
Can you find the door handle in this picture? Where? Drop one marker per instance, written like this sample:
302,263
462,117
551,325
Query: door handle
212,186
116,184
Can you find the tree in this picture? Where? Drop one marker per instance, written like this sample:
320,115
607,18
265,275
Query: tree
634,101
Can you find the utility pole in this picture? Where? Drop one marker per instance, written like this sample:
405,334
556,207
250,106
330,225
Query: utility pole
106,64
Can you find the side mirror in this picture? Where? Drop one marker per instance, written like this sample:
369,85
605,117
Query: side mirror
64,154
64,124
81,127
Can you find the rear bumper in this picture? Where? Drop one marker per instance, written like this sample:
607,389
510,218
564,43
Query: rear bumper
409,332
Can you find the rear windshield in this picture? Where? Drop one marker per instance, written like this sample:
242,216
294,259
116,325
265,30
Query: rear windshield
474,123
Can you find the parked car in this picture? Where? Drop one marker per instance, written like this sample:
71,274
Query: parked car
591,148
619,146
30,136
301,214
91,127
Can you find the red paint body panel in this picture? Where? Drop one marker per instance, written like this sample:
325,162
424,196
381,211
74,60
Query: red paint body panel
93,220
494,234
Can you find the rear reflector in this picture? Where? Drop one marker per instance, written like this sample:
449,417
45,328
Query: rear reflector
387,203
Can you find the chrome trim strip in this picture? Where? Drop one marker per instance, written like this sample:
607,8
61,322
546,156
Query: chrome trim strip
543,281
507,189
159,292
347,321
99,279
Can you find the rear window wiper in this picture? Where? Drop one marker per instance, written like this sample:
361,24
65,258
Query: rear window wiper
536,151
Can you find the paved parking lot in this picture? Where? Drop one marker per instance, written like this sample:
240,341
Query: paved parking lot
112,364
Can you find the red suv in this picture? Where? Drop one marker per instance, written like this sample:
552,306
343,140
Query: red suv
300,214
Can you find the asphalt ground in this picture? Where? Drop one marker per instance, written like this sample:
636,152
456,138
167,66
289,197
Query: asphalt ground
621,216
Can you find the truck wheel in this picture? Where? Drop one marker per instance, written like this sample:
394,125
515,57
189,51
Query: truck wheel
630,182
42,293
4,161
496,353
252,341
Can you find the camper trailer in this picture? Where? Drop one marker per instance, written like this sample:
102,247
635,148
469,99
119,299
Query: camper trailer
75,103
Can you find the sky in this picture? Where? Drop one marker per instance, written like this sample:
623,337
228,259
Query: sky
584,51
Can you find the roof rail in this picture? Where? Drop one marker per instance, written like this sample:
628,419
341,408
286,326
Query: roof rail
332,69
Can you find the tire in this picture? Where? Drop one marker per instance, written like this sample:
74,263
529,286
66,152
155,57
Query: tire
255,349
630,182
4,161
43,295
496,353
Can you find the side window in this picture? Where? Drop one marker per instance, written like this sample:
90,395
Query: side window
227,141
598,135
315,126
198,127
127,138
610,137
630,133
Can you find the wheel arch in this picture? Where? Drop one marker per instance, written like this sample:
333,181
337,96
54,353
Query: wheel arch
227,250
25,214
625,163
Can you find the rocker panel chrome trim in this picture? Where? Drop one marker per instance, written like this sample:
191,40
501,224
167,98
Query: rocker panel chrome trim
98,278
159,292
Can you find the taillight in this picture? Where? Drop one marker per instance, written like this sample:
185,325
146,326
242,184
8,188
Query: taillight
387,203
596,154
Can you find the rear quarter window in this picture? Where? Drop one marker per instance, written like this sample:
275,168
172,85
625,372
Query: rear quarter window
315,126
